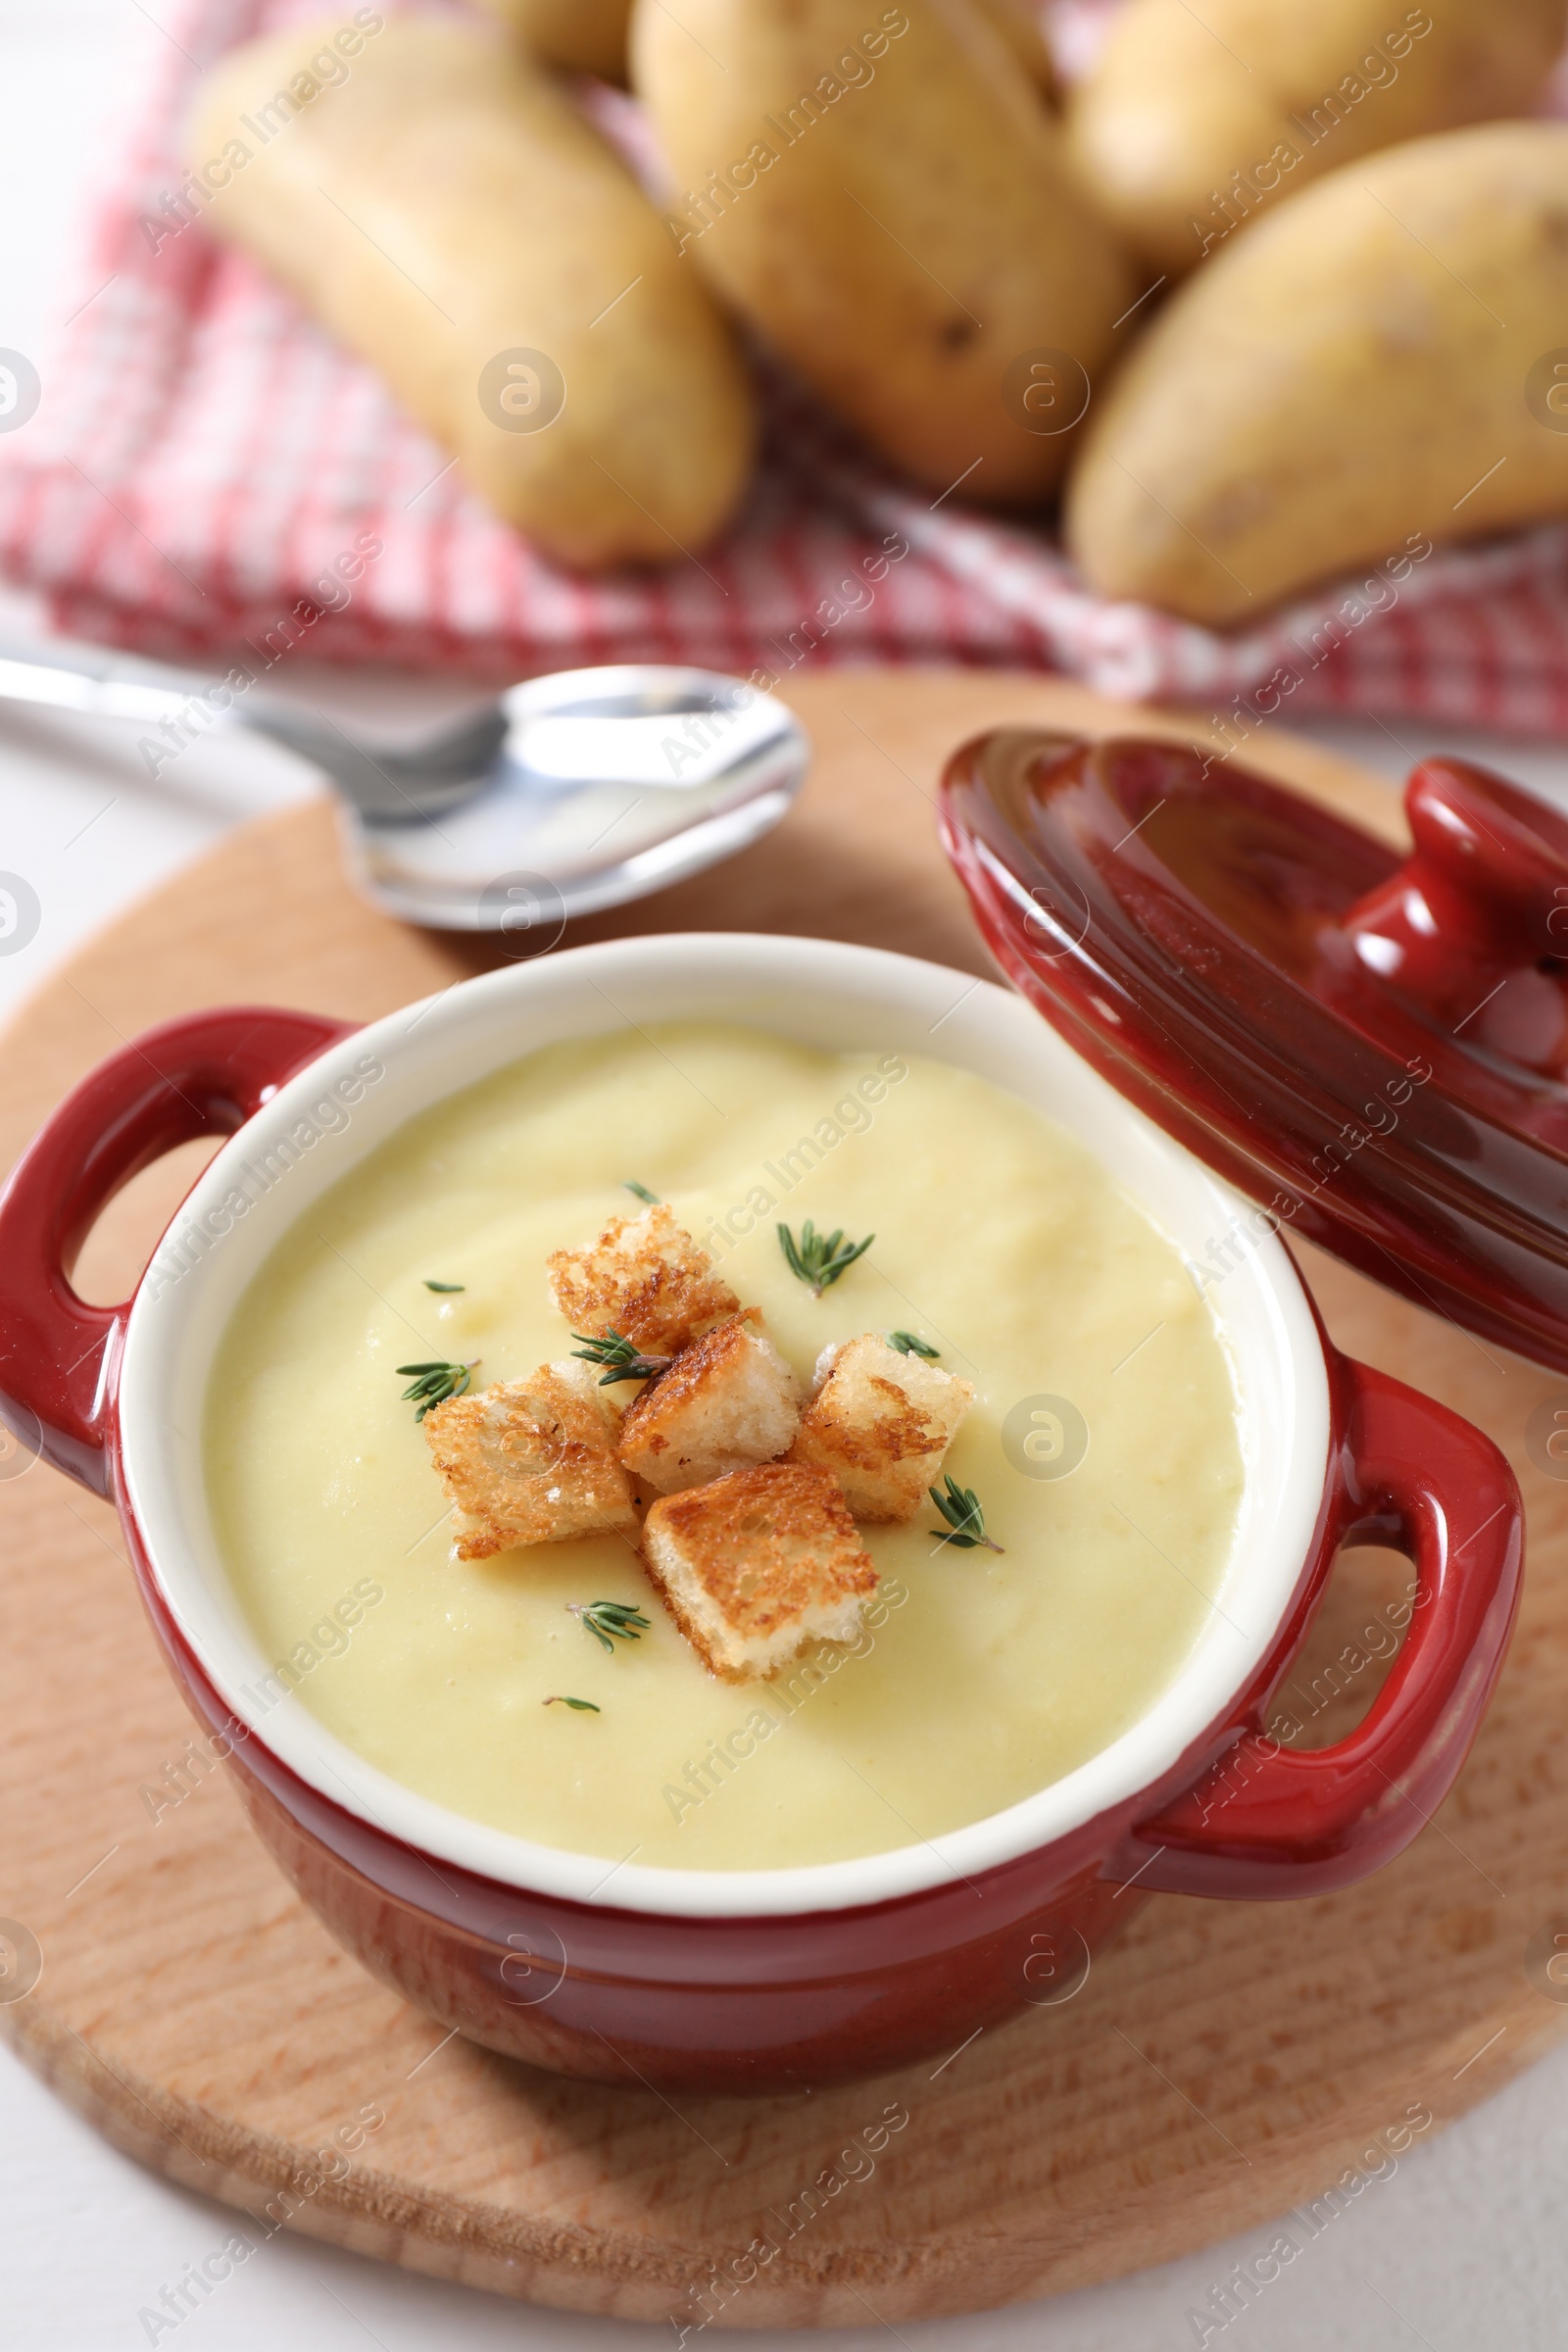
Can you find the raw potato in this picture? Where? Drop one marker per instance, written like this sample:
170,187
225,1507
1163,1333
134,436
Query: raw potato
1370,365
586,37
1195,116
439,204
910,236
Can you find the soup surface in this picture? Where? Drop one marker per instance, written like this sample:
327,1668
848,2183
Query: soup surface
980,1677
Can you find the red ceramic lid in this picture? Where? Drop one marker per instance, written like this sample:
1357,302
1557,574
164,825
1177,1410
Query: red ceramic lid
1374,1047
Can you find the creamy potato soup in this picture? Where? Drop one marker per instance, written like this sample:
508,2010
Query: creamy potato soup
979,1678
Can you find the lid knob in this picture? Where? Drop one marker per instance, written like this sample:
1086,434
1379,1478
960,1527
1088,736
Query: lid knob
1473,927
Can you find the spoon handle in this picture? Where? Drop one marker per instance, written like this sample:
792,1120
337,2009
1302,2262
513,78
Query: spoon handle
88,683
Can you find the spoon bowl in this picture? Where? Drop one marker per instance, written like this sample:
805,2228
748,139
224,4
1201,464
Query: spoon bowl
604,785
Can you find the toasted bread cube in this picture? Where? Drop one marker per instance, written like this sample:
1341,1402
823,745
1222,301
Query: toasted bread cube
727,1400
881,1423
530,1461
644,1277
756,1565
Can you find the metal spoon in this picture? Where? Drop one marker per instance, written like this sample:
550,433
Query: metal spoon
569,793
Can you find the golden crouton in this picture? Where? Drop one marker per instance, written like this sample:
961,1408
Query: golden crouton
727,1400
646,1278
756,1565
530,1461
880,1423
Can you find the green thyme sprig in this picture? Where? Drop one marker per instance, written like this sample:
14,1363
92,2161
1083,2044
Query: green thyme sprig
819,1258
966,1521
584,1706
629,1183
611,1620
623,1359
433,1384
444,1286
908,1344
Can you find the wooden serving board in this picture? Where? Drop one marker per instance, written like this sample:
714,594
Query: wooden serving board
1221,2063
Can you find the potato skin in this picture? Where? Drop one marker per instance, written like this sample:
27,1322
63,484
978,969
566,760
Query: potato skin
443,203
1018,22
904,244
1367,366
583,37
1180,143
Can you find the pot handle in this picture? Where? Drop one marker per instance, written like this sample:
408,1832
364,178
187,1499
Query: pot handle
1268,1821
204,1074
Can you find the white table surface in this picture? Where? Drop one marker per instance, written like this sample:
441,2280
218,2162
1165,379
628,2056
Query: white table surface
1463,2247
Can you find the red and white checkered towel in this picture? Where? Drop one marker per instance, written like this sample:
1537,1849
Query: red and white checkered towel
202,455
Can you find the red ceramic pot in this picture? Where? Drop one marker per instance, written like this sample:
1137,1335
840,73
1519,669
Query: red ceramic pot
749,1980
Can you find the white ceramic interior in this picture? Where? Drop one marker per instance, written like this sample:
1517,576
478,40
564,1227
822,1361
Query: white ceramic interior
820,993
